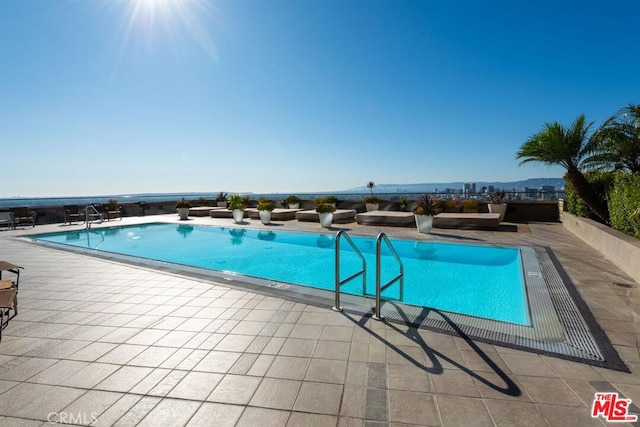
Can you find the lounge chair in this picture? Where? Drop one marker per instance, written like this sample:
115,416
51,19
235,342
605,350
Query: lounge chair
72,213
8,302
112,211
23,215
6,218
15,269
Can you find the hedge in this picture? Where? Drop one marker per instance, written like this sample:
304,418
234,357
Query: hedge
620,190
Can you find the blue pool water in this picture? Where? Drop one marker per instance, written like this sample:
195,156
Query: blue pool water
479,281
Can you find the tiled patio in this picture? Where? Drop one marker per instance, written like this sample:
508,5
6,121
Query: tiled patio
106,343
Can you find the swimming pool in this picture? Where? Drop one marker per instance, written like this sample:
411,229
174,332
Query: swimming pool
481,281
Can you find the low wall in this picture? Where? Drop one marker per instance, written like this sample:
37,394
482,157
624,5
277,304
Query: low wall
617,247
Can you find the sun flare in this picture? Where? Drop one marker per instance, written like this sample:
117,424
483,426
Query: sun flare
149,18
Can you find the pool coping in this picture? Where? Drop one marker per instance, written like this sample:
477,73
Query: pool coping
562,324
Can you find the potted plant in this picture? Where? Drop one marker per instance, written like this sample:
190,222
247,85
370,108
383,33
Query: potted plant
470,206
372,203
293,202
424,212
236,205
325,213
264,209
497,203
202,201
221,199
332,200
183,206
451,206
404,203
439,206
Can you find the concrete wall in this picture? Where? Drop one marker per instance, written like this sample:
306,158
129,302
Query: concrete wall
617,247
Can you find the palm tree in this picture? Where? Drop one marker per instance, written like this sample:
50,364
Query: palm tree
370,186
567,147
618,141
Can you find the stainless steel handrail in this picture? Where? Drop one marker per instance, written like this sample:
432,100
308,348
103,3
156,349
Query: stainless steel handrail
363,272
377,315
86,216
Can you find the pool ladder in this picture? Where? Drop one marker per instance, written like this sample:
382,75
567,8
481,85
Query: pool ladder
382,237
87,216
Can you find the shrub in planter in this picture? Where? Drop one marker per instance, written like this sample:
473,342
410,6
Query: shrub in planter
470,206
293,202
325,213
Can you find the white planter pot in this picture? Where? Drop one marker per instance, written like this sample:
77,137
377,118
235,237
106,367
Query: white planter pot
424,223
372,206
499,209
326,219
222,204
294,205
183,213
238,215
265,217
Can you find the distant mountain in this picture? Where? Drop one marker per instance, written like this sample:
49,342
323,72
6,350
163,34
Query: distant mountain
557,183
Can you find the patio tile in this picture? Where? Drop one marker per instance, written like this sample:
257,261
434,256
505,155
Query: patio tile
124,379
319,398
122,354
549,390
27,368
216,414
324,370
263,417
454,382
20,396
337,350
92,404
463,411
353,402
195,386
311,420
511,413
297,347
564,416
167,383
412,408
90,376
150,381
58,372
288,367
53,400
218,361
137,411
235,389
152,356
276,393
234,343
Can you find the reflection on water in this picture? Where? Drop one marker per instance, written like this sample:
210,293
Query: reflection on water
267,235
184,230
425,250
237,235
324,241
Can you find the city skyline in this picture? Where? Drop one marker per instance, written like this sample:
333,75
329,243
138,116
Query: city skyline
166,96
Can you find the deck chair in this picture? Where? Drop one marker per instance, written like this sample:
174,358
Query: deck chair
6,218
23,215
8,302
72,213
15,282
112,212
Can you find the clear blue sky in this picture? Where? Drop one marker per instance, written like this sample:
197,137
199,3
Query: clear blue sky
128,96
